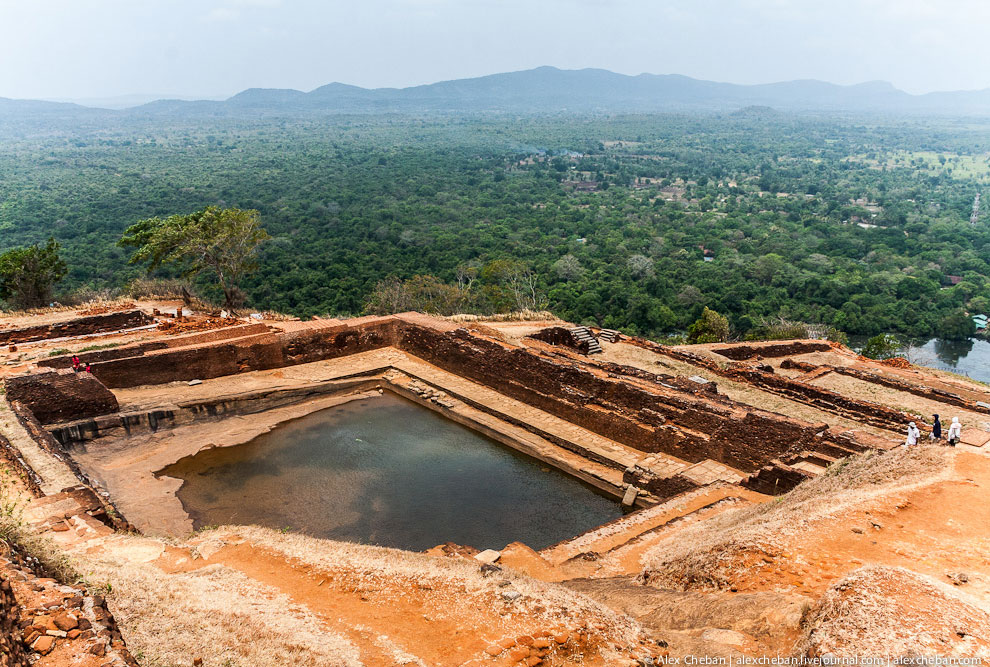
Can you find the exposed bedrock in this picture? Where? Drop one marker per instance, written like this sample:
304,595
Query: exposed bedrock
681,616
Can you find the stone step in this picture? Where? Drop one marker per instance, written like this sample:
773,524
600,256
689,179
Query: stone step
620,532
609,335
709,471
808,466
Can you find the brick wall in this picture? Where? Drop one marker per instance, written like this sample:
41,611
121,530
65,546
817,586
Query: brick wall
125,319
57,396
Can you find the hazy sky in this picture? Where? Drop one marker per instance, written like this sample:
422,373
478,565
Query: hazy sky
99,48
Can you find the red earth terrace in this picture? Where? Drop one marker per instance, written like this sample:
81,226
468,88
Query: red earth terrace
726,499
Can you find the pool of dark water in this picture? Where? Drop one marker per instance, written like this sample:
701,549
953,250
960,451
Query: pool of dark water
390,472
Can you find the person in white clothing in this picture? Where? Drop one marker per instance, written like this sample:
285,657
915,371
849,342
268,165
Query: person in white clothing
912,435
955,432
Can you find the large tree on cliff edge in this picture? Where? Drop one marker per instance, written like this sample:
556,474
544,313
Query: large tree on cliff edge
28,275
223,241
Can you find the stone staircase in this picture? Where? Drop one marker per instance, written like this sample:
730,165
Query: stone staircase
782,475
610,549
609,335
665,476
582,336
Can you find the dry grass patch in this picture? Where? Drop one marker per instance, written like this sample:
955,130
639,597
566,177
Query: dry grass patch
15,534
705,555
515,316
215,613
887,611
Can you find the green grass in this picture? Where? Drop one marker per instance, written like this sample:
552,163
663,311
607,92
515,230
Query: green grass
976,167
105,346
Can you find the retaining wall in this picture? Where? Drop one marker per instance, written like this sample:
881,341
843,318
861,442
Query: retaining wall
125,319
255,353
782,349
614,408
140,349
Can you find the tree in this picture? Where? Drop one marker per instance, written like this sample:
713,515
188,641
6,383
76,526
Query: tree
518,281
709,328
568,267
28,275
641,267
221,240
957,325
882,346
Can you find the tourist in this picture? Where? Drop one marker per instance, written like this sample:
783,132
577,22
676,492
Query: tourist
912,435
955,432
936,430
89,369
75,363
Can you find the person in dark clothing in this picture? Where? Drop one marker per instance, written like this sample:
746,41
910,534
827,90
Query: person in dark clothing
936,430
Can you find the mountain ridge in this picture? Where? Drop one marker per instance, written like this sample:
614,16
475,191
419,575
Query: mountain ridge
550,89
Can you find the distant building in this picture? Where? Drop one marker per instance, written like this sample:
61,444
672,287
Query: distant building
954,280
980,321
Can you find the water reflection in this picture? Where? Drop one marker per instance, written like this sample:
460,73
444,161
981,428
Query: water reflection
969,357
951,351
387,471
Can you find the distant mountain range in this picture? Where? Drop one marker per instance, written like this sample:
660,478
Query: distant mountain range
546,90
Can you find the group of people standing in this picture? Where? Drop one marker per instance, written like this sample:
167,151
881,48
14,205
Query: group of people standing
952,436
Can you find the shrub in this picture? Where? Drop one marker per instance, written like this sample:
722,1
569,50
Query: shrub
709,328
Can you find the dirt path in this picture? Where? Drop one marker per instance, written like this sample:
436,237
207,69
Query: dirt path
938,530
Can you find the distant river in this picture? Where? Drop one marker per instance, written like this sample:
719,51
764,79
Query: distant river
968,357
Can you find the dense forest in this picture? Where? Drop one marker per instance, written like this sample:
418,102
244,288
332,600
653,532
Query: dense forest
629,222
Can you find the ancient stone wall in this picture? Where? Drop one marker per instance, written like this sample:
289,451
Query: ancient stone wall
864,411
783,349
642,419
64,617
57,396
125,319
139,349
802,366
775,479
188,412
103,508
11,649
96,356
931,393
255,353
